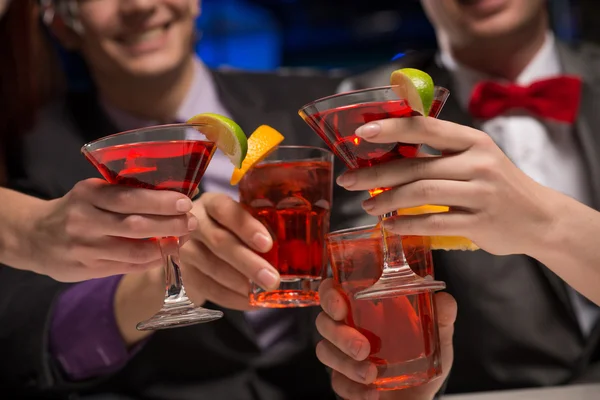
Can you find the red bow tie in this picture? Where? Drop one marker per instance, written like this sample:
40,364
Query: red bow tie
554,99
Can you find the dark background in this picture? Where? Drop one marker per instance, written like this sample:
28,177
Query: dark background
340,34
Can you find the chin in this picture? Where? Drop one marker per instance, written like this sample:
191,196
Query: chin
153,65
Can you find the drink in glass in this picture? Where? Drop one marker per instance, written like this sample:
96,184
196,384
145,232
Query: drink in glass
168,157
401,330
290,192
335,119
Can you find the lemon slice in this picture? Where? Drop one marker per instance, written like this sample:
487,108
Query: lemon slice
416,87
262,141
227,135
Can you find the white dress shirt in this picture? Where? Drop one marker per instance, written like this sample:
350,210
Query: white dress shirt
547,151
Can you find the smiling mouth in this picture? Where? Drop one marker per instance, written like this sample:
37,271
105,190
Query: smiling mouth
145,36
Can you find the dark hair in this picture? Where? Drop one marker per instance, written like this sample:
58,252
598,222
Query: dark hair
28,75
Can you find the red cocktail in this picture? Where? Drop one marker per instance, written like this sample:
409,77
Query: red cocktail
290,193
401,330
175,165
169,157
335,119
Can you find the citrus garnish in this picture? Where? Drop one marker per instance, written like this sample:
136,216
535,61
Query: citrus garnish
262,141
437,242
416,87
227,135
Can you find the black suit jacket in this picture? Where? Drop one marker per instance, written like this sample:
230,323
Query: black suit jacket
219,360
516,326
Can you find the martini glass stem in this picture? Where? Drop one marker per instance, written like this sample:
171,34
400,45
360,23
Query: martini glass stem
177,309
175,292
397,277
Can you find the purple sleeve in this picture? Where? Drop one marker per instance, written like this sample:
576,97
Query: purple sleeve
84,337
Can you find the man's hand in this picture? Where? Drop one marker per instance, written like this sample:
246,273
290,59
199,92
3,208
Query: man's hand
491,201
99,229
221,255
346,350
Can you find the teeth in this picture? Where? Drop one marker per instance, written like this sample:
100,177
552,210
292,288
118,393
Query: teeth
144,37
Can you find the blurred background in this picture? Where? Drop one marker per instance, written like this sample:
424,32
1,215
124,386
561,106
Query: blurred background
345,35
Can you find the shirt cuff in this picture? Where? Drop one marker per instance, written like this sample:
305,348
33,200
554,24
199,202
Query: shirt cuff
84,336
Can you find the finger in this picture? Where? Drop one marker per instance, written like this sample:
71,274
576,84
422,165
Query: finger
232,216
332,301
144,226
348,340
195,254
446,315
230,249
452,223
129,251
127,200
442,135
201,288
349,390
364,372
462,195
406,170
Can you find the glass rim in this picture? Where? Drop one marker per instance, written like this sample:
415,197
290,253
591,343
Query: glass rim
144,129
364,90
351,231
300,147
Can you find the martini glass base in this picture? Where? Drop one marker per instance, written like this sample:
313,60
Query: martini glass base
177,314
394,286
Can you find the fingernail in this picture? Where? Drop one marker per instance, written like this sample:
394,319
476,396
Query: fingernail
363,371
346,180
262,242
355,347
267,279
192,224
369,204
369,130
183,205
389,224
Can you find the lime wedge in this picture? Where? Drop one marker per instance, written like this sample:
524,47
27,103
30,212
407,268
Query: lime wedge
227,135
416,87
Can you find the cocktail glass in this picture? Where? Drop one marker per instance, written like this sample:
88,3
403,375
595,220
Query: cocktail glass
402,330
335,119
167,157
290,192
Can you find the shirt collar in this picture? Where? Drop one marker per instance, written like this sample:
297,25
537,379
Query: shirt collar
545,64
201,97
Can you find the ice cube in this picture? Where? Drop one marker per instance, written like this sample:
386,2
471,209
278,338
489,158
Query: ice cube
296,202
262,203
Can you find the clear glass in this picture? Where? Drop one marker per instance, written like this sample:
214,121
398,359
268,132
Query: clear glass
167,157
335,119
402,330
290,192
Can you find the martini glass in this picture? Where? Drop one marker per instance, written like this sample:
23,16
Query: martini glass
335,119
166,157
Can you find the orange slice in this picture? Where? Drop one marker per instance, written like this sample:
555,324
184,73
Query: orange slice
262,141
439,242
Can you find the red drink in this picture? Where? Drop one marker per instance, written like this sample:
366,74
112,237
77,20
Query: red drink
402,330
171,165
292,199
342,122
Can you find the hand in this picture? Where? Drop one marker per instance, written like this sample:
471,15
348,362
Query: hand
491,201
221,257
345,350
99,229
